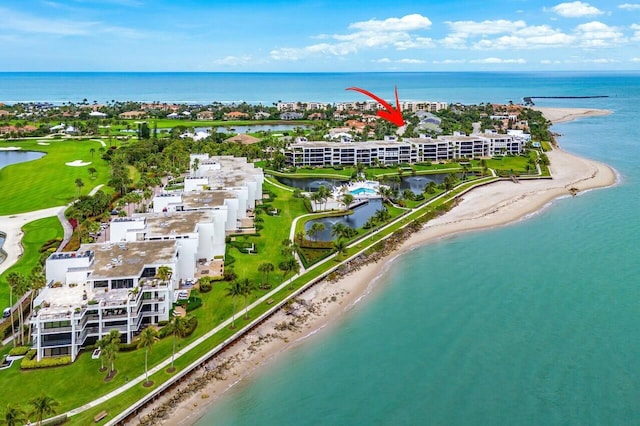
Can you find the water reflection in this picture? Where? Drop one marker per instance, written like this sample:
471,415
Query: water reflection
309,184
356,220
273,128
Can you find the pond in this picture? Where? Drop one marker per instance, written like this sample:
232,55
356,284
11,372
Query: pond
273,128
356,220
417,183
14,157
309,184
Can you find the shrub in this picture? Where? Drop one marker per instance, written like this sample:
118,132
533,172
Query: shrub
29,362
193,303
229,260
163,323
19,350
205,286
192,323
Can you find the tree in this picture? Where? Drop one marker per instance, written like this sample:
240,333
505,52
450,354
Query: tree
341,247
19,287
430,188
148,338
324,195
164,273
111,349
14,416
247,288
265,268
288,266
92,151
179,325
92,172
347,199
43,406
234,290
101,345
408,194
315,229
37,281
79,185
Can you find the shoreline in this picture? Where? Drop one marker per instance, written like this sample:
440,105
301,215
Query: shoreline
323,305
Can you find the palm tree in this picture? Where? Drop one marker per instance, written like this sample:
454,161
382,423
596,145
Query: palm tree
315,229
43,406
102,345
148,337
111,349
92,172
79,185
430,188
341,247
37,282
247,288
164,273
14,416
179,325
265,268
289,265
324,194
346,199
316,198
19,286
92,151
338,230
234,290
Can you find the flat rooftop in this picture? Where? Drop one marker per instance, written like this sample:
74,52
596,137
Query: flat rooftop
180,223
114,260
202,199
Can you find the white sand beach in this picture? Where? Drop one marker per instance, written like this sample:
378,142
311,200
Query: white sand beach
324,304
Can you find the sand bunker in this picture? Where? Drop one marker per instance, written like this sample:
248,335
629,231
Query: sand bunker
44,143
77,163
10,148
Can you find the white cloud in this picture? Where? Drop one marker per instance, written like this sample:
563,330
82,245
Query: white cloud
634,60
399,61
233,60
450,61
533,37
373,34
406,23
576,9
600,61
468,28
629,6
498,61
596,34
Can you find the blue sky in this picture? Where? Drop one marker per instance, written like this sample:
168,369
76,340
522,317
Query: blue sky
318,35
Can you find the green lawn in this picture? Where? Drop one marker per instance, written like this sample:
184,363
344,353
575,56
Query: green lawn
35,234
48,181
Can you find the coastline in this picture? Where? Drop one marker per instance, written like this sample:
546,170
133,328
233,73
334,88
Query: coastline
490,206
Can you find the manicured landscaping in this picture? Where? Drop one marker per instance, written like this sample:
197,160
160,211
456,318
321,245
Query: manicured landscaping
35,234
50,181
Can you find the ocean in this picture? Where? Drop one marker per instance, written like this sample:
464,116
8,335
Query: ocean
534,323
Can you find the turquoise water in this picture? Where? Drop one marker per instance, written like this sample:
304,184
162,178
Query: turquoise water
530,324
534,323
361,191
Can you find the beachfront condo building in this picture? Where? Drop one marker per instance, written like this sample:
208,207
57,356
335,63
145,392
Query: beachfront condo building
407,151
115,285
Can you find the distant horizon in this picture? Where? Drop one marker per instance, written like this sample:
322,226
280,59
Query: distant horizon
582,71
164,35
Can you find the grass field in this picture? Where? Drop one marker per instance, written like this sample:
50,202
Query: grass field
48,181
35,234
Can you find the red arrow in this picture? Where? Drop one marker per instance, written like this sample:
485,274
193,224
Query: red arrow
391,114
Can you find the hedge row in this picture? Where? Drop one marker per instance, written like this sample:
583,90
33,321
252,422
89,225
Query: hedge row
29,361
19,350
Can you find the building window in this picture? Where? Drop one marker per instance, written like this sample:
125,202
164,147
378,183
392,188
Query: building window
124,283
101,284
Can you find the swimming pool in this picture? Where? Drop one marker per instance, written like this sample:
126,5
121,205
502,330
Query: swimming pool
363,191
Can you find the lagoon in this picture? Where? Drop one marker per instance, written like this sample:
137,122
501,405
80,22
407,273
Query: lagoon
14,157
355,220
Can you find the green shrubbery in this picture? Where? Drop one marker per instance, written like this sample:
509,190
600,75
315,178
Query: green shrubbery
29,362
19,351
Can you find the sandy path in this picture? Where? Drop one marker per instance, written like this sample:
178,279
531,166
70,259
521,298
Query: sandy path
11,225
489,206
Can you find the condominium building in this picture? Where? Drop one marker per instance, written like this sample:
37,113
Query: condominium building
115,285
407,151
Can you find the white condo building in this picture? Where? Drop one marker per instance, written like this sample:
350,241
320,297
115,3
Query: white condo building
114,285
407,151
